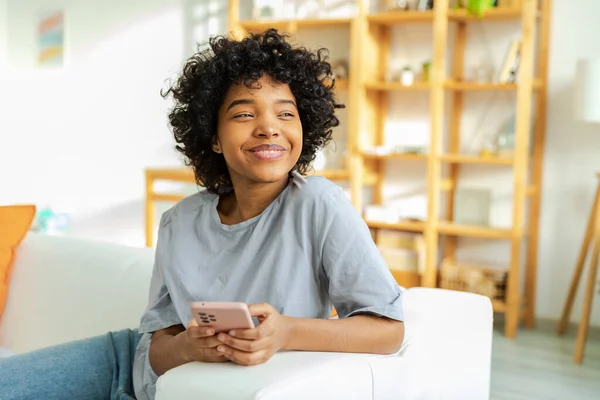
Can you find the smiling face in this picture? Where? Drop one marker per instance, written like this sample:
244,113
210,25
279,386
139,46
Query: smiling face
259,132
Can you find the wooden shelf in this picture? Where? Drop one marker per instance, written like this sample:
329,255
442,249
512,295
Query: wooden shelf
396,86
409,226
406,279
452,229
340,84
400,17
494,14
171,198
467,159
292,24
444,227
396,156
499,306
327,22
482,87
332,174
448,184
171,174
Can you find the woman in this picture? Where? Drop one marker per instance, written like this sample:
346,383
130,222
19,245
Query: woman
249,117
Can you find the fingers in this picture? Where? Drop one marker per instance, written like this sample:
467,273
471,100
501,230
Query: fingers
212,355
196,331
245,345
244,358
201,336
265,329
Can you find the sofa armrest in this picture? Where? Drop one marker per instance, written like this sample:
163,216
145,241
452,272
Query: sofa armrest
290,375
446,354
448,343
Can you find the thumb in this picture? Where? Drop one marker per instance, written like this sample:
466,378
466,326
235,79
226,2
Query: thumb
261,310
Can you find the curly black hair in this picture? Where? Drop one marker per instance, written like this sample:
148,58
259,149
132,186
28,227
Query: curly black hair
200,90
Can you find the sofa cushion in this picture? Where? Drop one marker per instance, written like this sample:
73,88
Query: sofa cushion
15,222
66,288
5,352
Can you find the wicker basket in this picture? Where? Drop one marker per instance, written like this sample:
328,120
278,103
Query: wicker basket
474,278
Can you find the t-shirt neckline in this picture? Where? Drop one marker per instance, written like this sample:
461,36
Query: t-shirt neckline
244,224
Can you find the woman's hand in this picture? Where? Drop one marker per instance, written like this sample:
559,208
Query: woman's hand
257,345
200,344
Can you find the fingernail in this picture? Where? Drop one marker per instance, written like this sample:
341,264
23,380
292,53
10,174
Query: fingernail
232,333
210,332
221,349
221,338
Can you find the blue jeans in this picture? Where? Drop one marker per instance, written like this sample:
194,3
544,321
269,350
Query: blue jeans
95,369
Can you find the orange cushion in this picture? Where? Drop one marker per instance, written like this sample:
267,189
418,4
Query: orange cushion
15,222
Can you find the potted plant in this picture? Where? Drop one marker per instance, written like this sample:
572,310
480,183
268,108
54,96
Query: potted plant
478,7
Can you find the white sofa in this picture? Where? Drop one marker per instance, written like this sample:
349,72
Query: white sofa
65,289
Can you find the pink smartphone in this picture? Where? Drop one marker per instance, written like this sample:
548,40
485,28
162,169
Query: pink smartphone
222,316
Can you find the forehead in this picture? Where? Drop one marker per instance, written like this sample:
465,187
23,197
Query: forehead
263,87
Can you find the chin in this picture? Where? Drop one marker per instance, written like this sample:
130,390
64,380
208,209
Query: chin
271,176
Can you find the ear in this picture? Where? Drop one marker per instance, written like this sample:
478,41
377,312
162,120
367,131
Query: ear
216,146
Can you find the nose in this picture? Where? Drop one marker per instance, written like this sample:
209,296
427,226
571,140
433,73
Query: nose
267,133
266,128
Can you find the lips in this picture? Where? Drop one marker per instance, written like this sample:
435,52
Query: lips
267,152
267,147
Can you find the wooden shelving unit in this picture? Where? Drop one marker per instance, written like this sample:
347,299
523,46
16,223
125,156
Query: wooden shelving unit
444,160
181,175
368,93
407,226
468,159
292,25
395,156
481,87
394,86
398,17
496,14
449,228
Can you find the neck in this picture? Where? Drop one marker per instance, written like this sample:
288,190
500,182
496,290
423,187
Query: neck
248,200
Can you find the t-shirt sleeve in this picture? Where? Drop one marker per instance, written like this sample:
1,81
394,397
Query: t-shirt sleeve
359,280
160,314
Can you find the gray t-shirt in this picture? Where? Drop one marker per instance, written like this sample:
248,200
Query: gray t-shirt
309,250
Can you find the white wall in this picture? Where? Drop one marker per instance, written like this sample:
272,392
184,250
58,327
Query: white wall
572,158
3,34
78,139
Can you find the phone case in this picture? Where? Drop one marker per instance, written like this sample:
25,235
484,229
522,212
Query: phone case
222,316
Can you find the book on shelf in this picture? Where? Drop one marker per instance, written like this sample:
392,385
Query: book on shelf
510,66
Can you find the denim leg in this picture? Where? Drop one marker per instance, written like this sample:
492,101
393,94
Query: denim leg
97,368
124,345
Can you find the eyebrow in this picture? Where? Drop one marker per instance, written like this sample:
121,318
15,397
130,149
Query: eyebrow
250,101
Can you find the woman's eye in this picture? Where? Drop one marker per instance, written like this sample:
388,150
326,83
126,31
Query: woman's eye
286,114
243,115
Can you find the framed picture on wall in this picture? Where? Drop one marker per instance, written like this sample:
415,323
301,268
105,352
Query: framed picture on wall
51,39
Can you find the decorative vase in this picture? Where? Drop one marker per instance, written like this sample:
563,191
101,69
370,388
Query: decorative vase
425,71
407,76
